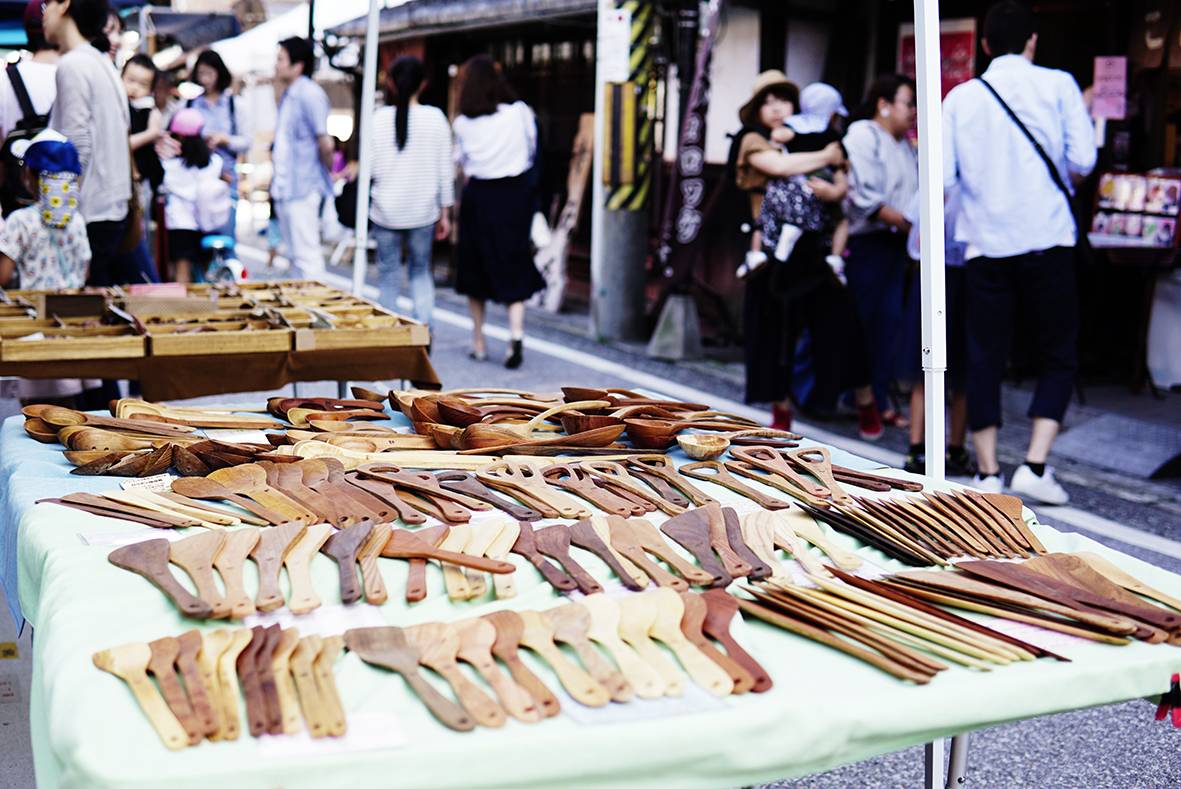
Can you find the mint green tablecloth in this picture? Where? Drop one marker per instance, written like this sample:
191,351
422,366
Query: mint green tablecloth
825,709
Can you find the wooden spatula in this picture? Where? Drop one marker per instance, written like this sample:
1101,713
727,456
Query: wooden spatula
264,669
272,548
554,541
375,589
284,684
438,645
691,624
509,629
624,540
199,676
653,542
666,627
247,667
526,545
720,608
129,663
389,648
538,635
476,638
466,483
571,625
150,559
229,561
195,555
162,664
315,711
343,547
298,563
604,631
637,615
235,641
1126,580
326,684
583,535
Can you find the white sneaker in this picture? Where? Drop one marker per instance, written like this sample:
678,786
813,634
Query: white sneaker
1044,488
989,484
753,261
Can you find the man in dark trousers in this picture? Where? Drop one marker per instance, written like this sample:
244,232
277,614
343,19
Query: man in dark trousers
1017,222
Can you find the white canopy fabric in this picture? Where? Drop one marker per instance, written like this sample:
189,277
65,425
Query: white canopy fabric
253,52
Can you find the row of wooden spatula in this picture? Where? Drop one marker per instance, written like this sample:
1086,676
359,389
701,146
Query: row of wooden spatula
287,683
615,640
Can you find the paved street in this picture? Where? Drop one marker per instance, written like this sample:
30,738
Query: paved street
1113,746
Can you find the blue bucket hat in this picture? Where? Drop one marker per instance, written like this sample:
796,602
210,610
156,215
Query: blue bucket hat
48,152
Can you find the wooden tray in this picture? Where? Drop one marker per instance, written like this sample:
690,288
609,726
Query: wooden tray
360,324
226,337
72,342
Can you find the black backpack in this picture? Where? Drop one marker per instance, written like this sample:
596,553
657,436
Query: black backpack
13,194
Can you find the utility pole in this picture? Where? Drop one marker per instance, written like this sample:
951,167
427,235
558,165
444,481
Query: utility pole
311,22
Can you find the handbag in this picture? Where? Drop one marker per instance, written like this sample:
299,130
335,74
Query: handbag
1082,244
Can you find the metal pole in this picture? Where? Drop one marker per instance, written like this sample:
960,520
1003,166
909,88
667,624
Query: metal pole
364,140
934,297
311,21
957,767
598,208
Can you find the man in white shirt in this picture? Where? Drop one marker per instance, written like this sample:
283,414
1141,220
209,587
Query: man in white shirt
1020,233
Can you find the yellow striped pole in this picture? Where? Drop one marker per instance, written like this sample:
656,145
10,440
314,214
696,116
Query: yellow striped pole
631,109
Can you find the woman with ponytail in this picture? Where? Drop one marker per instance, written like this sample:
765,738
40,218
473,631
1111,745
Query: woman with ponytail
413,187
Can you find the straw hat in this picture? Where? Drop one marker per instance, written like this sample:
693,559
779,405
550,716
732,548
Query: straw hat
768,80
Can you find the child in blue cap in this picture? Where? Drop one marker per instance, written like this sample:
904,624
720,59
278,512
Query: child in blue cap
44,245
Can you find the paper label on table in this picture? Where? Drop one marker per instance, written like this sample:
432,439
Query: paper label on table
157,483
695,700
237,436
480,516
327,620
870,571
366,732
120,538
1032,634
9,688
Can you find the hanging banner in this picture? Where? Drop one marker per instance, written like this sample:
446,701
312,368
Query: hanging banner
957,47
684,210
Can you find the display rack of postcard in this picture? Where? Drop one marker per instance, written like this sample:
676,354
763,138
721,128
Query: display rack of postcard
1136,210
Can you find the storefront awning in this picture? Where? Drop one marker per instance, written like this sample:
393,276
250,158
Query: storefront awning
425,17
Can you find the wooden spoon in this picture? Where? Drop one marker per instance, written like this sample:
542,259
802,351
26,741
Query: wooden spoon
65,417
389,648
129,663
39,430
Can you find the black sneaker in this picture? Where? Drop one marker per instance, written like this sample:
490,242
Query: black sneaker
516,355
916,463
959,463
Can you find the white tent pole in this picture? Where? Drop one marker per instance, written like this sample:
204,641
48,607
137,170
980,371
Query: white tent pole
934,297
598,192
364,155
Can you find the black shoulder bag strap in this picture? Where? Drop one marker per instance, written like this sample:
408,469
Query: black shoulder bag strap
233,117
28,112
1055,176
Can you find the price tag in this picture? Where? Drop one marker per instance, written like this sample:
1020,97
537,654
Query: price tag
366,732
238,436
155,484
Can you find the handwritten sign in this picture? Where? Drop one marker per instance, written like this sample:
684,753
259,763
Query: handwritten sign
1110,91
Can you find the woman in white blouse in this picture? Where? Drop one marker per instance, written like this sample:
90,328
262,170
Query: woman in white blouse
496,138
413,188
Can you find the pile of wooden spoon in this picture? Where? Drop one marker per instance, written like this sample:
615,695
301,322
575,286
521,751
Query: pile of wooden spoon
286,681
616,641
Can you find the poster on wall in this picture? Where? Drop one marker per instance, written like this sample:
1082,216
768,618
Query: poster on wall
957,44
1110,88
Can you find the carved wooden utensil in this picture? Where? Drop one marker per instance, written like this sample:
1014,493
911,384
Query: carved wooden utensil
1128,581
602,527
758,568
572,478
229,561
454,581
466,483
250,481
326,685
637,615
416,576
375,590
345,510
284,684
264,669
538,635
438,645
256,706
195,555
661,466
337,485
624,540
719,540
691,530
717,473
272,548
571,625
617,477
129,663
209,489
389,495
343,547
197,676
162,664
298,563
408,545
526,480
652,541
227,676
670,610
303,673
604,631
526,545
554,541
720,610
509,628
499,548
483,533
818,462
150,559
389,648
770,461
691,624
759,535
287,478
476,638
584,536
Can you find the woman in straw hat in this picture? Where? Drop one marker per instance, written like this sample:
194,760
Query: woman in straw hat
782,299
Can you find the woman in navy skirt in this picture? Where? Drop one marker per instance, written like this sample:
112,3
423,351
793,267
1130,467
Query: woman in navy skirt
496,136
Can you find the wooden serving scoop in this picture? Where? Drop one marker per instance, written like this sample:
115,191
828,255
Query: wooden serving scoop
437,646
150,559
720,609
299,572
691,530
343,547
389,648
624,540
554,541
509,628
272,548
315,713
691,623
526,545
651,540
326,685
229,561
476,637
375,591
538,635
466,483
129,663
637,615
200,677
247,667
162,664
604,631
670,610
499,549
571,625
195,555
583,535
284,685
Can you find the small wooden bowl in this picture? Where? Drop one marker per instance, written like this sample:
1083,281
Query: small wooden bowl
577,422
701,446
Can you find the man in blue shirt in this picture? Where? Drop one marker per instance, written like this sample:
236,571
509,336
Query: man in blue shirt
302,155
1018,225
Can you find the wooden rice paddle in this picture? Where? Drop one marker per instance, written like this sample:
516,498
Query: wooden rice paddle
476,639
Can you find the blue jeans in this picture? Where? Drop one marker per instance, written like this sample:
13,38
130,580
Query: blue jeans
418,242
